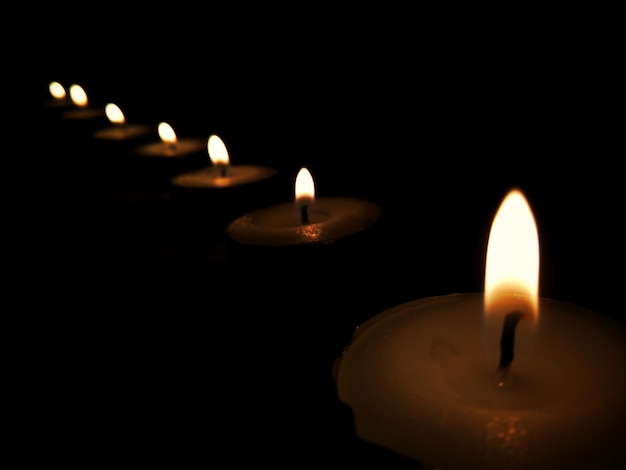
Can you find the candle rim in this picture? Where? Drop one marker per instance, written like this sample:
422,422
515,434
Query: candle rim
364,213
209,176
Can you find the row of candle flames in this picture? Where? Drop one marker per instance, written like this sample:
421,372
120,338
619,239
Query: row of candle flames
216,148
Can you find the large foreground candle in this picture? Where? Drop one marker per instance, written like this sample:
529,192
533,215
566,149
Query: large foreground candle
501,380
308,220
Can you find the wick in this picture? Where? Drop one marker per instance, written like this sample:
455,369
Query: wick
507,346
223,171
172,146
304,213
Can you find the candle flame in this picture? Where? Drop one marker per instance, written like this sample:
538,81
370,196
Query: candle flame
512,263
304,186
78,96
217,151
114,113
57,90
166,133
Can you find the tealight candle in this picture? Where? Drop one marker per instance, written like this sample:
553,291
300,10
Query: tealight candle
170,146
309,220
212,196
221,174
158,161
501,380
82,108
59,96
120,128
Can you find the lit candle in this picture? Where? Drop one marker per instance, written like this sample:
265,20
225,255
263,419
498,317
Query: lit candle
59,95
501,380
82,108
212,196
308,220
159,161
221,174
120,129
170,146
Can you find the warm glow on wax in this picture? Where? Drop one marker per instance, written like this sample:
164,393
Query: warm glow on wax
57,90
512,264
78,96
304,187
166,133
114,113
217,151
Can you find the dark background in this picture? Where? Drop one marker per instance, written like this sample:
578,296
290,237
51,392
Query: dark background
161,337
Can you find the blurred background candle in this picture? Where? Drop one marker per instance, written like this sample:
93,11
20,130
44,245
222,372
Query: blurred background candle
159,161
82,109
424,379
58,95
170,146
211,196
118,167
221,173
120,129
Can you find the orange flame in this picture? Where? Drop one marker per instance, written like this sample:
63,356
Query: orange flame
512,263
57,90
304,187
114,113
217,151
166,133
78,96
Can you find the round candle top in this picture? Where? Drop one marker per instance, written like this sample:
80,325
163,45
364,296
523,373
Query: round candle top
170,146
420,381
502,380
120,129
221,174
305,221
214,177
329,219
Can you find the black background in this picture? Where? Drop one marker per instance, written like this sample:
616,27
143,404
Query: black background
158,338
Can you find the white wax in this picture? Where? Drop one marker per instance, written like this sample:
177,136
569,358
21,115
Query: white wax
419,379
281,225
211,176
122,132
161,149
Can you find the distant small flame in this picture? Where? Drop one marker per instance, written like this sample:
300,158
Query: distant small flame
166,133
305,186
57,90
217,151
512,264
114,113
78,96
